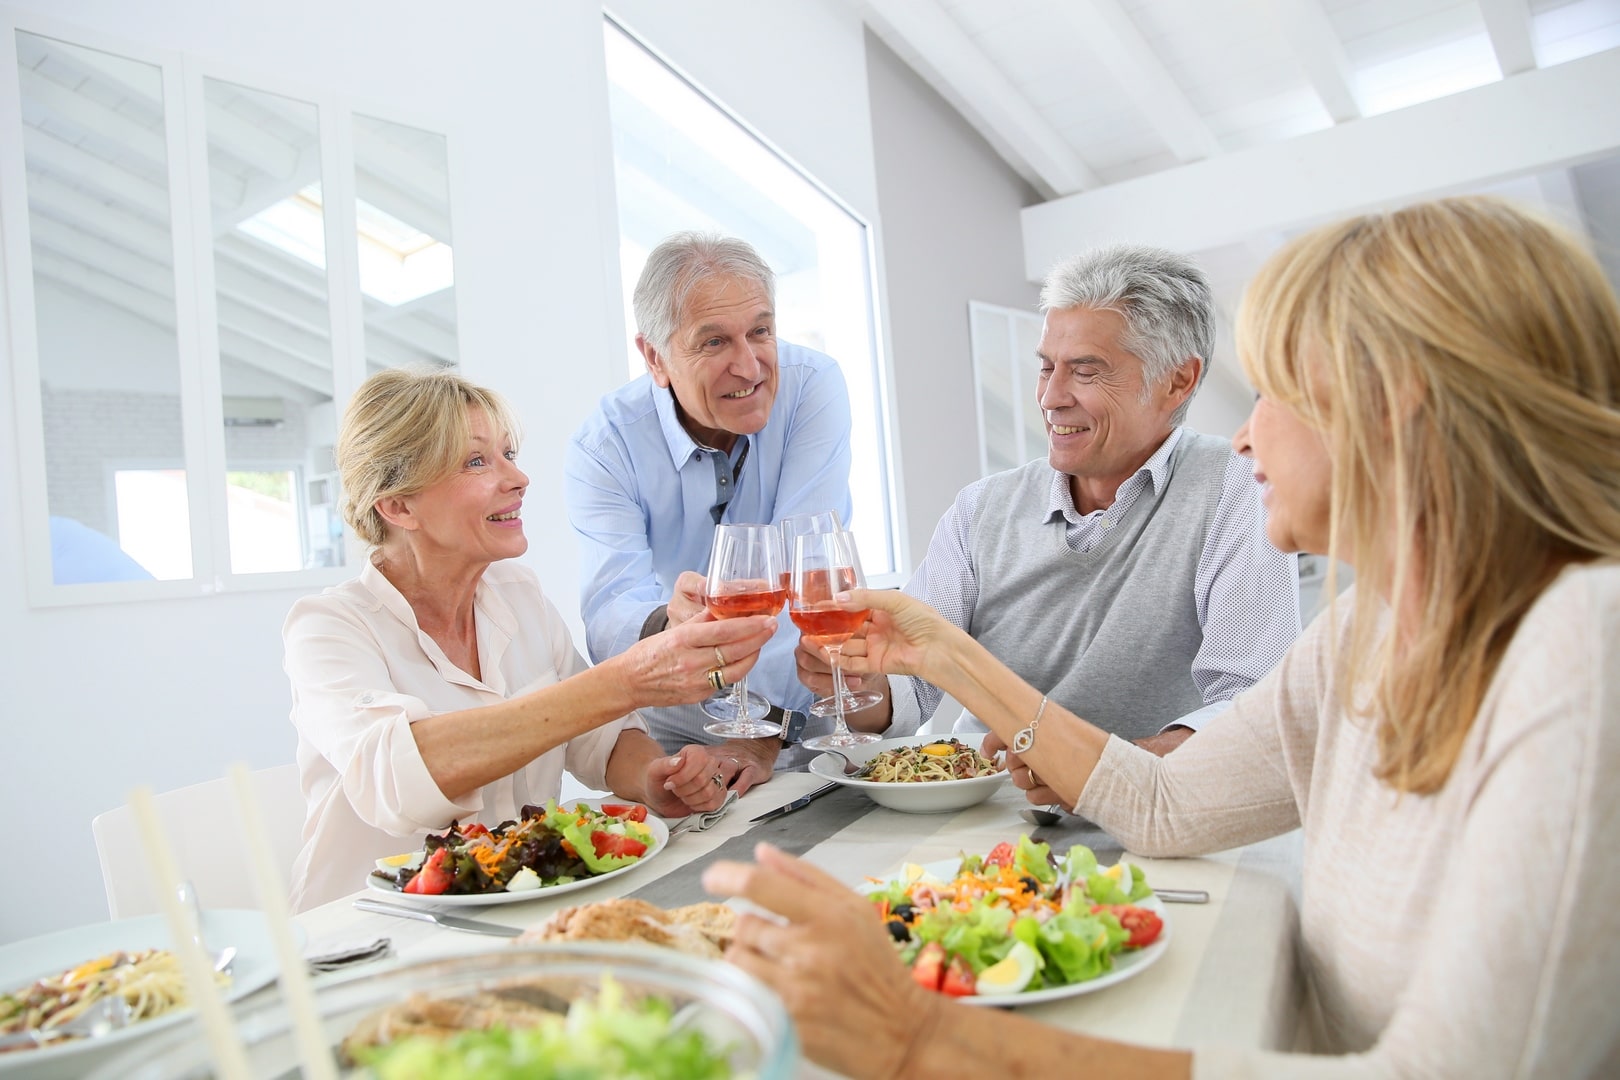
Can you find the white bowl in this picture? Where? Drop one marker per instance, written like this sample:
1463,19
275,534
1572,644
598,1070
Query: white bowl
923,797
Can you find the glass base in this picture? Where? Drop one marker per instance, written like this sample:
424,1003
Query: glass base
846,738
742,729
727,707
854,701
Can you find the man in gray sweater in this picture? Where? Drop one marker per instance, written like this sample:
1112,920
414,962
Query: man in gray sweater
1128,575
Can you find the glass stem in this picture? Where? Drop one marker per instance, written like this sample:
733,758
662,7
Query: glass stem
834,654
742,700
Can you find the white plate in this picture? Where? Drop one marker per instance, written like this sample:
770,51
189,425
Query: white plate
926,797
1127,965
35,958
660,833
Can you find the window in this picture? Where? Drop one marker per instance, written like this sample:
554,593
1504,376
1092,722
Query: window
1005,374
682,162
196,289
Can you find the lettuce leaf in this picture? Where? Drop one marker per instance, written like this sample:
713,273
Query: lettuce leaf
1035,859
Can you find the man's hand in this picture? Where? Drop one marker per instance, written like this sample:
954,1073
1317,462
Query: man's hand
687,599
1166,740
742,763
685,782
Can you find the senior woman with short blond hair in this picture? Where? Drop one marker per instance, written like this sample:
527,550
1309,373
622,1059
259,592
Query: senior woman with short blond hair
441,684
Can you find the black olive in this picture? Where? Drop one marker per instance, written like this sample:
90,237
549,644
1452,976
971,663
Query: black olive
903,911
1030,883
898,930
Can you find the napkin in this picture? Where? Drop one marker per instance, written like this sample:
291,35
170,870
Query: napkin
330,955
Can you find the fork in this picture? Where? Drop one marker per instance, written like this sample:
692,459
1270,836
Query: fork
706,819
104,1015
850,768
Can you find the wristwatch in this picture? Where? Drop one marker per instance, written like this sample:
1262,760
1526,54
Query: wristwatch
792,726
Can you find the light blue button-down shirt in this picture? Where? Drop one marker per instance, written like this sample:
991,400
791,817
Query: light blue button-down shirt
640,492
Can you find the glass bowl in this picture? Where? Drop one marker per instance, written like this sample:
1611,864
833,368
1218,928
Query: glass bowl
736,1013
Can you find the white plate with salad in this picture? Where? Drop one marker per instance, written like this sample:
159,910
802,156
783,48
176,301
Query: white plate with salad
559,850
1011,928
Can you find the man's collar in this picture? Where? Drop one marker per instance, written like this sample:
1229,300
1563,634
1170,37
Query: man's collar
1060,500
681,444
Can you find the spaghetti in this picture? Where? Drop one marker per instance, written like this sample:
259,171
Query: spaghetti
149,980
946,759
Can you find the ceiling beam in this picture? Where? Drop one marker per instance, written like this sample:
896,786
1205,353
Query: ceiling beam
996,108
1104,30
1321,56
45,99
1508,24
45,153
1548,118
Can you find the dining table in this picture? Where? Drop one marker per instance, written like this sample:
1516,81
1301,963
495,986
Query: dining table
1229,974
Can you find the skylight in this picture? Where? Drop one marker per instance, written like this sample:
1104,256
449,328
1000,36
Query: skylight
398,262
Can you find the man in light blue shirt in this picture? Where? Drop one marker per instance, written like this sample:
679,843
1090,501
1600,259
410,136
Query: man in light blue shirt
728,425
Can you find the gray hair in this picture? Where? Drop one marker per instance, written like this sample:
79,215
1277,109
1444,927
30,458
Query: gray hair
1163,297
674,269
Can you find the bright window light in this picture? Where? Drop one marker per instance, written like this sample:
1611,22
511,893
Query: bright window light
398,262
683,162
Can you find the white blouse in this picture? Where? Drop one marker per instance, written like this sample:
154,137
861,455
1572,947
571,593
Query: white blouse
363,671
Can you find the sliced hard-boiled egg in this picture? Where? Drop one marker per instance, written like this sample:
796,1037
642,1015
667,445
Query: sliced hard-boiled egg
911,873
392,863
1011,974
1121,874
525,880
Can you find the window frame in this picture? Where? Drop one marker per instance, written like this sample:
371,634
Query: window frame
200,396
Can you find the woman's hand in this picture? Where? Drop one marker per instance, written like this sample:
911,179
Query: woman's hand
686,782
672,667
1035,789
832,963
904,636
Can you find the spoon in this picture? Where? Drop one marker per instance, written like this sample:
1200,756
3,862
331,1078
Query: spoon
225,958
1041,818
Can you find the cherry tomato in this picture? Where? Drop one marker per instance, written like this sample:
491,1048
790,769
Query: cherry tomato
958,981
1000,855
928,970
626,811
607,843
1143,925
433,878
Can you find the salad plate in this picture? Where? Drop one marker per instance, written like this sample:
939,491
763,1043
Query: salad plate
1127,964
655,825
24,962
919,797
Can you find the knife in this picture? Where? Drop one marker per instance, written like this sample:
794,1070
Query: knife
453,922
797,804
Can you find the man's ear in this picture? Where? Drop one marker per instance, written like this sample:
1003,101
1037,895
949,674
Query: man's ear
655,361
1183,381
397,511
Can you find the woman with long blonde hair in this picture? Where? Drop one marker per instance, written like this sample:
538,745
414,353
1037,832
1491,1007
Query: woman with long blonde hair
1440,408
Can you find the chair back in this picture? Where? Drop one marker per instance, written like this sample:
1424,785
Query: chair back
204,828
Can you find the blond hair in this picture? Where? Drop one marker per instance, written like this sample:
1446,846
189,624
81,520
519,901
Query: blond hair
405,431
1461,360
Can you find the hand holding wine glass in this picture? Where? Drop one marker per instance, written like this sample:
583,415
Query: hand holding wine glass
745,578
825,565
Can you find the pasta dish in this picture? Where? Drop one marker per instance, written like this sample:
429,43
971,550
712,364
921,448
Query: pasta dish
947,759
149,981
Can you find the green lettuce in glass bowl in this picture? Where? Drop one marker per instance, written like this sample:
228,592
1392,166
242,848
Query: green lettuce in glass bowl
562,1009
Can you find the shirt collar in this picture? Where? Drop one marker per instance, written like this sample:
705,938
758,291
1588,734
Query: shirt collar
681,444
1060,499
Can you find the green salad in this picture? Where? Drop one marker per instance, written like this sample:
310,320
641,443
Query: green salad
608,1037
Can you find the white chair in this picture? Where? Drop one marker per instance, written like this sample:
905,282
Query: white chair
204,828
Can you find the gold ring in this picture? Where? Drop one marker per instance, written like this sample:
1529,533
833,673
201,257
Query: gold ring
719,657
716,681
718,782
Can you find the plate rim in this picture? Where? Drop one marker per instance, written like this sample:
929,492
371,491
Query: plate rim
660,842
1141,959
267,973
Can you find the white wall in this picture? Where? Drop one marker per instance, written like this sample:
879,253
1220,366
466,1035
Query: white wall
101,698
950,232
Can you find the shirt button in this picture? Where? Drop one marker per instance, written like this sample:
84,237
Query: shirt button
367,699
1107,524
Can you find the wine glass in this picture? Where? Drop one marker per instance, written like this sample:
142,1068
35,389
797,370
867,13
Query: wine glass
824,565
745,578
796,525
793,527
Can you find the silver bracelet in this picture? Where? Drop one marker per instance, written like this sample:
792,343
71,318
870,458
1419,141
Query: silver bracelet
1026,738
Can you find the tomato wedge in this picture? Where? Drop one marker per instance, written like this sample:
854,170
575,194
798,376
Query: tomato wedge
1000,855
625,811
959,980
1143,925
928,970
607,844
433,878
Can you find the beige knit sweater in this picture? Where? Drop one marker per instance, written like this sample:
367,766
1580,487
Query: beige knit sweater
1470,933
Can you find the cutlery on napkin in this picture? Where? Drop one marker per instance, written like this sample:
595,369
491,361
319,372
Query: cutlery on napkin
453,922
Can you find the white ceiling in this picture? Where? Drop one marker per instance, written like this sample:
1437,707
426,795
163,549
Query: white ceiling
1079,94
